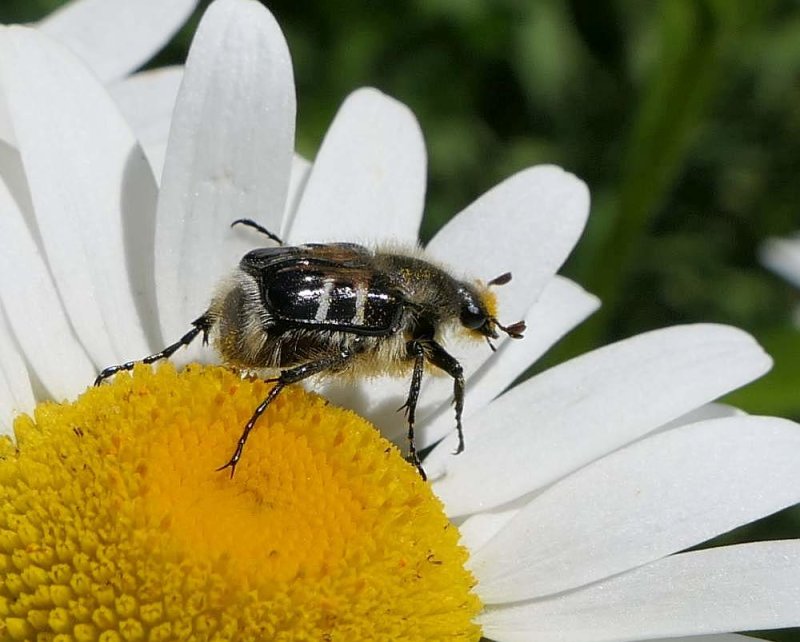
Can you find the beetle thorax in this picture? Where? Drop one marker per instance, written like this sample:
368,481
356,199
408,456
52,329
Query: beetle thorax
425,286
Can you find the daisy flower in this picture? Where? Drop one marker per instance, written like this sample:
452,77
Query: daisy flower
565,517
782,256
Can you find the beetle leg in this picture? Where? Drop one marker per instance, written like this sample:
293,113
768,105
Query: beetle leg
286,377
440,358
203,324
259,228
416,350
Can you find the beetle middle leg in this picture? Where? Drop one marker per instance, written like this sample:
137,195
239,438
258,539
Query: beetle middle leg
286,377
417,350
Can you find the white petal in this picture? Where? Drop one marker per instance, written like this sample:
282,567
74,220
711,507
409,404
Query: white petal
229,155
90,185
114,37
6,128
526,225
745,587
32,304
782,256
479,529
16,394
703,413
562,305
368,181
301,169
724,637
573,413
156,155
147,100
654,498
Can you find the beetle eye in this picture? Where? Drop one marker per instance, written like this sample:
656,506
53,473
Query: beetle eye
472,317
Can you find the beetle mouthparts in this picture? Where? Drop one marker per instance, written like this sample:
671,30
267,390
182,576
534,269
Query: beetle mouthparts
501,280
515,330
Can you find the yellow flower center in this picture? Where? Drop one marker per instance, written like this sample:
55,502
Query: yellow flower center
114,524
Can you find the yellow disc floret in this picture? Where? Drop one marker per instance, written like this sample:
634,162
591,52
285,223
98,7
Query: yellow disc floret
115,525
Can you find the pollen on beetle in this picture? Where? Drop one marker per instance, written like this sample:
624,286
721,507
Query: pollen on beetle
489,301
114,524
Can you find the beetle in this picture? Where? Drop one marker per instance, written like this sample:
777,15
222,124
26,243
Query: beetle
341,309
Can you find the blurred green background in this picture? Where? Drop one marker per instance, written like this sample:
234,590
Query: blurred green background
683,116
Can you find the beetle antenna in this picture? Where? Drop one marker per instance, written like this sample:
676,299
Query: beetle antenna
501,280
259,228
514,330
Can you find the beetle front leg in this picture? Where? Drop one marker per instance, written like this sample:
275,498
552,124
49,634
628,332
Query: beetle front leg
440,358
286,377
203,324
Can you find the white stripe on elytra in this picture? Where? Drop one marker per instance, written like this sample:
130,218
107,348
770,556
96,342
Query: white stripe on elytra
361,304
324,301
